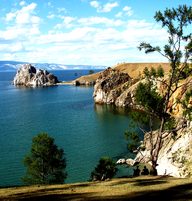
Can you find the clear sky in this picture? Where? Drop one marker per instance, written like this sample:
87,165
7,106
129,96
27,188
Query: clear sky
90,32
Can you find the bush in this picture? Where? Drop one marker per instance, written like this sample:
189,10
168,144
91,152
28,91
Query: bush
106,169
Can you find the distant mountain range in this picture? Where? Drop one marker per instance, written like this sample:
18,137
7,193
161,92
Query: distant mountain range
14,65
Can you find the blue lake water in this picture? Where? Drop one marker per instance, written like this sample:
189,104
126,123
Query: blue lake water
85,131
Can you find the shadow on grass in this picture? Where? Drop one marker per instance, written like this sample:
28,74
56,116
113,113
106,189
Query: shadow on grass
138,181
177,193
53,197
150,182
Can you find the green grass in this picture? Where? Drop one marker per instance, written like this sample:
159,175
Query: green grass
139,188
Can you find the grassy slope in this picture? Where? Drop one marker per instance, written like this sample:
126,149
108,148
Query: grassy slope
133,69
140,188
136,69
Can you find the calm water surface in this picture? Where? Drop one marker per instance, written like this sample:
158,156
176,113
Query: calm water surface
85,131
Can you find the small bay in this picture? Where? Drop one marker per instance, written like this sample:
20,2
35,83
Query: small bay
85,131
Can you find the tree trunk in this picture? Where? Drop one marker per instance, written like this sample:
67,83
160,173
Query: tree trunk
155,153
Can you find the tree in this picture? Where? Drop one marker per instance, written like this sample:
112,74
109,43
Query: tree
187,106
106,169
45,163
178,51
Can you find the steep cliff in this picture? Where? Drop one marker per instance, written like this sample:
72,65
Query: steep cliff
110,85
175,156
28,76
118,88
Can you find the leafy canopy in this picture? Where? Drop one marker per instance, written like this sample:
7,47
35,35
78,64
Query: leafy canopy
178,52
106,169
45,163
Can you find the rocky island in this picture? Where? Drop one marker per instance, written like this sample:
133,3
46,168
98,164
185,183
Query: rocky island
28,76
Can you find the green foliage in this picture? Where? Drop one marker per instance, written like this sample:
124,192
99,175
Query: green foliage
187,105
140,123
186,71
146,72
178,51
139,118
160,72
147,96
45,163
106,169
170,123
155,73
174,20
133,140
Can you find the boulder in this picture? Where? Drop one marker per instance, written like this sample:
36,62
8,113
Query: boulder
28,76
121,161
130,162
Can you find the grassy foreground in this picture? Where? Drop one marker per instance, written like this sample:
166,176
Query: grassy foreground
140,188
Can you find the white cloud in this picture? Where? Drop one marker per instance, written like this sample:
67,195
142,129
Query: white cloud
72,22
76,35
21,26
108,7
126,11
80,40
61,10
51,16
119,14
99,20
105,46
16,47
10,17
67,22
95,4
24,16
22,3
103,8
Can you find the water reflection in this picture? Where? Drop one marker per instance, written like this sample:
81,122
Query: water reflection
104,109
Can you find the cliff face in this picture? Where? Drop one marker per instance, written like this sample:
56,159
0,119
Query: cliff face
28,76
118,88
175,156
110,85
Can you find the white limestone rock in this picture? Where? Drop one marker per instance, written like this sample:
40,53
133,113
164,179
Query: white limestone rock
28,76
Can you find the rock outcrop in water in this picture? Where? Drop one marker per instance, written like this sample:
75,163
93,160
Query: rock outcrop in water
28,76
110,85
118,88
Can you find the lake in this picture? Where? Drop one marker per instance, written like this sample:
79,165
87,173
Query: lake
84,130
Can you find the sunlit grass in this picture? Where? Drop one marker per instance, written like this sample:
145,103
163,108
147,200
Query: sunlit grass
163,188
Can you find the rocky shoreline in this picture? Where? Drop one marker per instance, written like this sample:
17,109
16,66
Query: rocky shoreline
115,86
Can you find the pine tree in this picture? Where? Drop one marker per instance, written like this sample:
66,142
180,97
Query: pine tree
45,163
105,169
178,52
